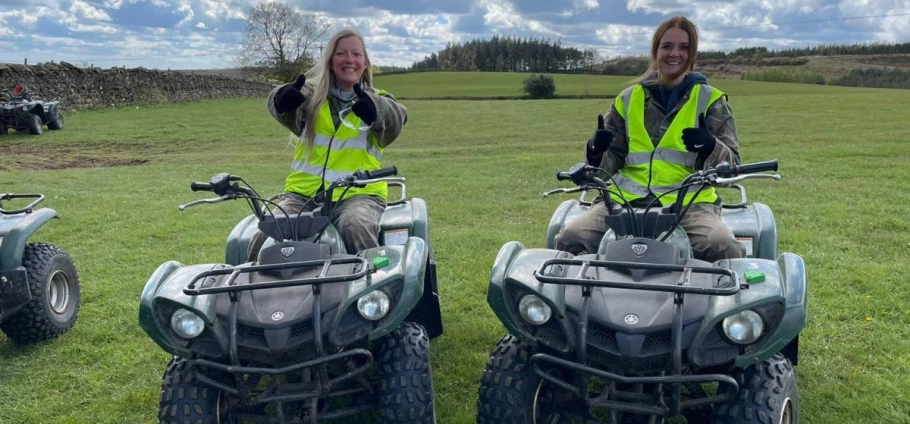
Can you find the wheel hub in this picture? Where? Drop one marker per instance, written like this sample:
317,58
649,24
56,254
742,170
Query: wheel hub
58,292
786,412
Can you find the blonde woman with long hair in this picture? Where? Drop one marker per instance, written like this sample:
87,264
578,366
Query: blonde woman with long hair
342,124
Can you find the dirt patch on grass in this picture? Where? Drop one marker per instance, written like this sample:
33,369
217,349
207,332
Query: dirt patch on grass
18,156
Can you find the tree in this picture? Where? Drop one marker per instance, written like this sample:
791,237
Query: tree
539,86
280,40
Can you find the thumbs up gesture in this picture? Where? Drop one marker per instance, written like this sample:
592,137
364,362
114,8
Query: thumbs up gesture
600,142
363,107
289,97
699,140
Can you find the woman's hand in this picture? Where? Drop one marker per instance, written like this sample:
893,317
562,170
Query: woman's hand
289,97
364,107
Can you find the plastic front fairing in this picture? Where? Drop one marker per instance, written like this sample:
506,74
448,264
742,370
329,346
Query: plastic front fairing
164,294
15,230
516,265
754,224
565,213
407,263
410,215
147,318
238,242
785,282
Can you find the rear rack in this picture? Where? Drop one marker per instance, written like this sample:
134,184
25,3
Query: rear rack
323,277
26,209
683,285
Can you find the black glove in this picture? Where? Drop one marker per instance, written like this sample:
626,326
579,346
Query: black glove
364,106
699,140
600,142
289,97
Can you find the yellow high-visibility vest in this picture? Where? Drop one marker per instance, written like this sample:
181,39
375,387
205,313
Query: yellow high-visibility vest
658,170
347,150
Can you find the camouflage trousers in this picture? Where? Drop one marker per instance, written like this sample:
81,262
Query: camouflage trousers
710,238
356,218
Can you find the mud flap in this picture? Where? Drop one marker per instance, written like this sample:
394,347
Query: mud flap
426,312
14,291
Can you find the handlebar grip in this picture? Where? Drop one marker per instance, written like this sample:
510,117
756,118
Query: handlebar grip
381,173
563,176
751,168
198,186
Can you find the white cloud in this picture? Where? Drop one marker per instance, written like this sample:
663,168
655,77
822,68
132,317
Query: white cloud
187,11
95,29
501,16
218,9
664,7
580,6
117,4
200,25
82,9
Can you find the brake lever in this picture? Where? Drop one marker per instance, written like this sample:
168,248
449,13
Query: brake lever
563,190
361,183
201,201
738,178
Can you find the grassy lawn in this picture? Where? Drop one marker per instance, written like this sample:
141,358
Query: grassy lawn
116,176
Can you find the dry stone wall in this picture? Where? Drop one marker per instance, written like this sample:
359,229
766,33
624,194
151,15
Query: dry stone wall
80,88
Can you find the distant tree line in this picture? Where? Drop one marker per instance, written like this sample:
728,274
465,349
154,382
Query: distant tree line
875,77
821,50
508,54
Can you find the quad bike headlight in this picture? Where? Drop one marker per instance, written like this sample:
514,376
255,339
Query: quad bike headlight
534,310
374,305
186,324
744,328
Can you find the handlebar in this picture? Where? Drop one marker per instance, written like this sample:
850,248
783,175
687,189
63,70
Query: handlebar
378,173
636,217
197,186
220,184
726,170
226,186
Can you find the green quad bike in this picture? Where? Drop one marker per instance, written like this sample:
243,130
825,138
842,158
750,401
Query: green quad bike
39,286
641,331
307,333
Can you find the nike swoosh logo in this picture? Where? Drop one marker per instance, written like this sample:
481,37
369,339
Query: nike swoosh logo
699,146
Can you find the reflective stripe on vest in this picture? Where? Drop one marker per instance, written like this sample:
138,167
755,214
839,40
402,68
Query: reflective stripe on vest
348,150
659,171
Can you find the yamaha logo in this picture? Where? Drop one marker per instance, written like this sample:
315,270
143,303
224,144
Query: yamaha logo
277,315
287,252
631,319
639,249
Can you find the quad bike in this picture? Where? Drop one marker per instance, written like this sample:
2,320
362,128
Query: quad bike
307,333
641,331
39,286
20,110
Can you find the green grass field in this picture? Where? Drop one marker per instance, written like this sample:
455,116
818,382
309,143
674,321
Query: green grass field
116,177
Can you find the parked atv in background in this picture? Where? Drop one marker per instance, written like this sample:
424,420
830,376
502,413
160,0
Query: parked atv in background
641,331
307,333
21,110
39,286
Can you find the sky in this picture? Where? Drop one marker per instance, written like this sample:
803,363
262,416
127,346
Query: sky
207,34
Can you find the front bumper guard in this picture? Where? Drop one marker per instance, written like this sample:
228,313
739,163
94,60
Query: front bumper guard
636,402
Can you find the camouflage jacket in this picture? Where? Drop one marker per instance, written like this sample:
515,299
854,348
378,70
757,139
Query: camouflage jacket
719,119
390,115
